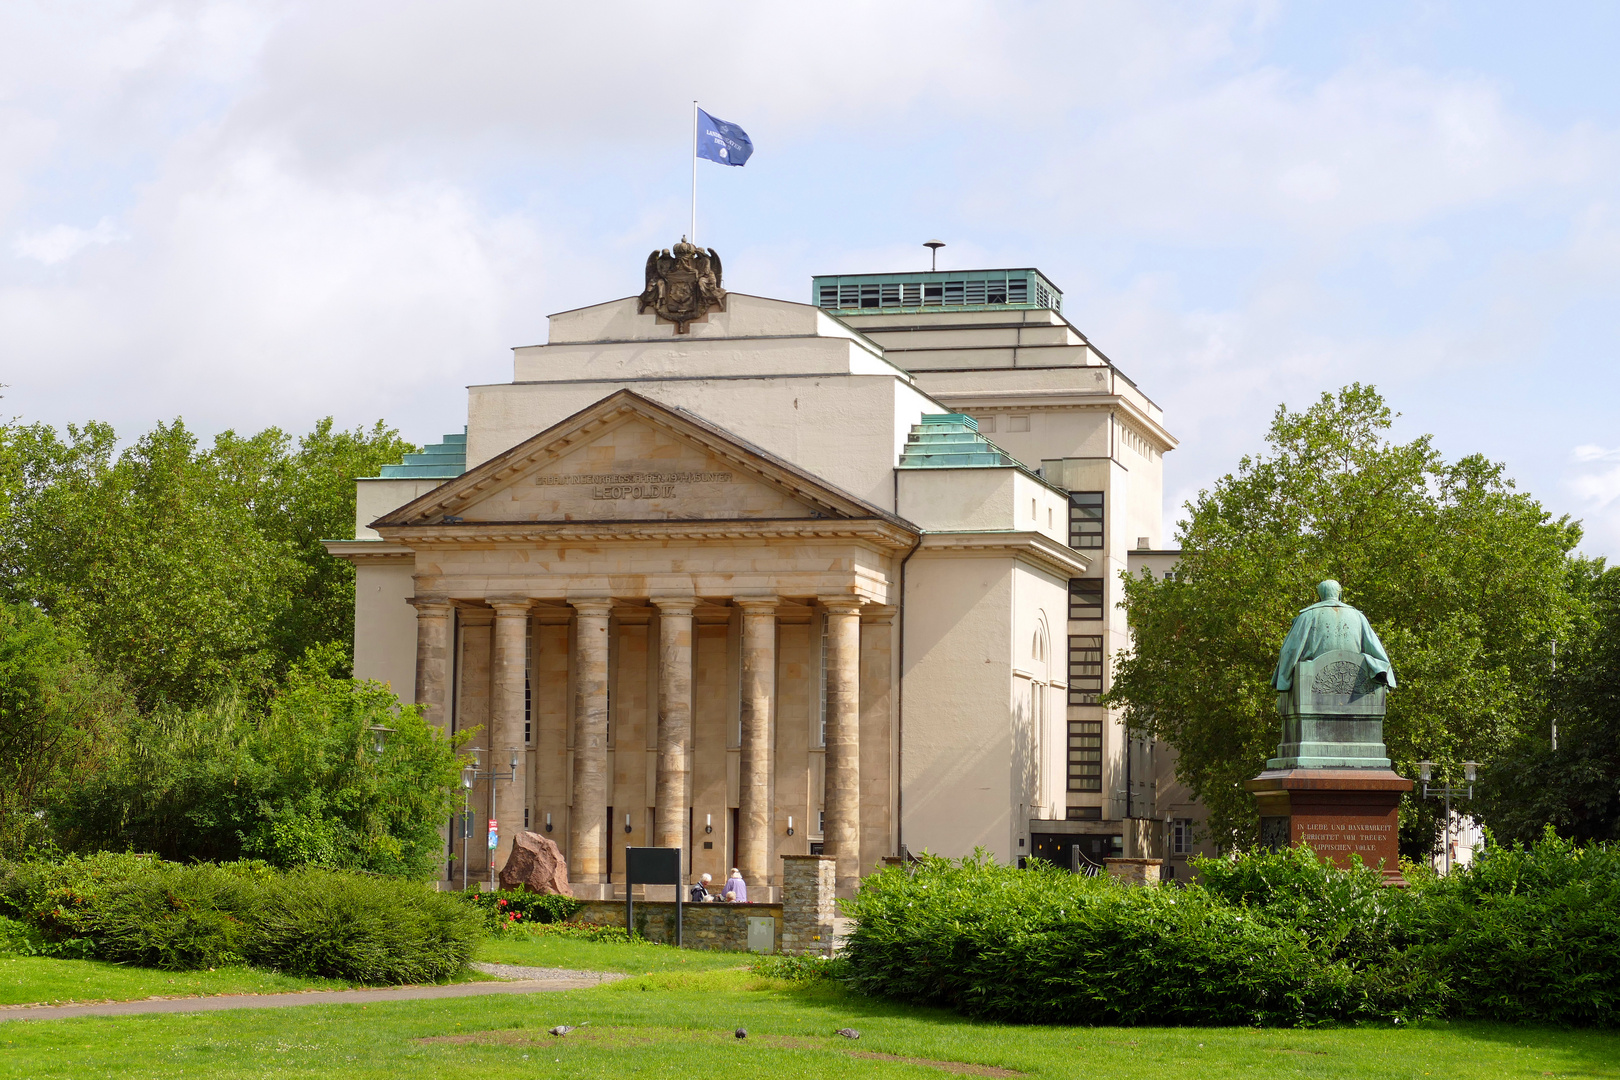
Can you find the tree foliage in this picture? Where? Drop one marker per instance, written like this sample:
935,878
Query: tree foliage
189,572
1466,580
1574,787
297,782
56,709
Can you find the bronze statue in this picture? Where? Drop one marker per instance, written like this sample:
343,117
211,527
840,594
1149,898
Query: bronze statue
683,285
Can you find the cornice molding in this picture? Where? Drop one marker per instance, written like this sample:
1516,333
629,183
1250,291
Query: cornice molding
368,550
1151,429
871,531
1033,548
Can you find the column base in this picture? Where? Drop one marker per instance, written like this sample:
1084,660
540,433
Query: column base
591,890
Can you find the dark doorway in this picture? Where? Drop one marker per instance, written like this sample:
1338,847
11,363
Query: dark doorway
610,844
736,823
1081,852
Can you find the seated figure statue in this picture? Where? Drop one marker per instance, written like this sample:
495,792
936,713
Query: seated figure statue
1331,680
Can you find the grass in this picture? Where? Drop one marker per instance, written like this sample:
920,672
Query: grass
679,1022
34,979
637,958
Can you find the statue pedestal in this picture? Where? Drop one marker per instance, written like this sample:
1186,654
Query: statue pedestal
1338,812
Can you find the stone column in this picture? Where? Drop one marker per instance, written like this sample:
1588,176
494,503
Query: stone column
509,662
673,791
587,817
433,657
808,904
755,792
877,733
842,798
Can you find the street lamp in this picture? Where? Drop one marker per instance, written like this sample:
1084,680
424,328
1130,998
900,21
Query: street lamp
1446,791
469,774
379,737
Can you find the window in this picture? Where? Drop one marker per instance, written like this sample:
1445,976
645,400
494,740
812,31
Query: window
821,737
528,686
1084,813
1085,598
525,817
1085,668
1181,836
1086,519
1085,755
821,822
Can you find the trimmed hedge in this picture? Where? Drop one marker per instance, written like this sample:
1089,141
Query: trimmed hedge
140,910
1264,939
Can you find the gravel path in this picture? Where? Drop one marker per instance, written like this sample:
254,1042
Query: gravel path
518,971
311,997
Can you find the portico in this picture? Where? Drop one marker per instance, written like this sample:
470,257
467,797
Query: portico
680,618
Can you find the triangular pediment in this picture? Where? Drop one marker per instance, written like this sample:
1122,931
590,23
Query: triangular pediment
628,458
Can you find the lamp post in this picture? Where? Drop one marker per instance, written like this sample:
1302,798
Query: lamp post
933,247
1445,792
470,773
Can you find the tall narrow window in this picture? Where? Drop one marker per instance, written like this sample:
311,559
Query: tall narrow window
1181,836
1085,668
821,710
528,684
1085,519
1085,598
1085,755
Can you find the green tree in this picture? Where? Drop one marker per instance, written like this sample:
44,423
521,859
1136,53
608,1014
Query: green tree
296,782
56,708
1465,579
1575,786
193,573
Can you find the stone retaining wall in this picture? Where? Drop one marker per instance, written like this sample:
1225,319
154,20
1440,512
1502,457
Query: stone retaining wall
713,925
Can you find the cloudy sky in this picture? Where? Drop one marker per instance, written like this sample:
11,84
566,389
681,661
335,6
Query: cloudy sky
263,213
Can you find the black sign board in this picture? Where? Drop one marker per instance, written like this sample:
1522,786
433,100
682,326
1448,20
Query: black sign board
651,866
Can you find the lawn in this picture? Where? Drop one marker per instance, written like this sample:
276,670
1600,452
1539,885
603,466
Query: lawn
635,958
679,1022
30,979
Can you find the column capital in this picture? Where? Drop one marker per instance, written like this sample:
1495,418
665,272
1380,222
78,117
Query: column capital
675,605
509,606
757,605
597,606
879,613
842,605
430,606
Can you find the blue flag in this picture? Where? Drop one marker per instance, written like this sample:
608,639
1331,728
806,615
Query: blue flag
719,141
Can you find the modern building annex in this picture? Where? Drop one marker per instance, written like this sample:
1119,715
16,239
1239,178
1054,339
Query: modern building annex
754,577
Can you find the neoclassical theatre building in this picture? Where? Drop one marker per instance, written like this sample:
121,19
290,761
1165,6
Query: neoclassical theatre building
754,577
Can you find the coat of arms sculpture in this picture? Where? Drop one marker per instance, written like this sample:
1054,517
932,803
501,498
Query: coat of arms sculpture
683,285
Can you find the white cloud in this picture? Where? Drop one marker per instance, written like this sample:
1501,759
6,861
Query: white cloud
60,243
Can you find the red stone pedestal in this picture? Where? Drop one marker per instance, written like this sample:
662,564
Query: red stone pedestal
1338,812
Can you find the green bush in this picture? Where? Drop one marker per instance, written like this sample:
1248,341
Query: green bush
513,907
582,932
139,910
375,930
1528,935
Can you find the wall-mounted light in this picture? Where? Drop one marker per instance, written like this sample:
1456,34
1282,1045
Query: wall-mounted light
708,823
627,823
790,824
548,822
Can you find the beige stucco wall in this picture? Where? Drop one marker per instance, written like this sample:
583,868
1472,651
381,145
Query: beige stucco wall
974,759
385,624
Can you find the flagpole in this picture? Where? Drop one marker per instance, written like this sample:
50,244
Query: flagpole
692,236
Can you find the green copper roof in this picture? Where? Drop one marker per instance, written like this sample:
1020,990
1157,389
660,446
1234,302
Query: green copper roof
952,441
439,461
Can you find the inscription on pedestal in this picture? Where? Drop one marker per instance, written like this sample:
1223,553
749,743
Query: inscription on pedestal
1374,841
